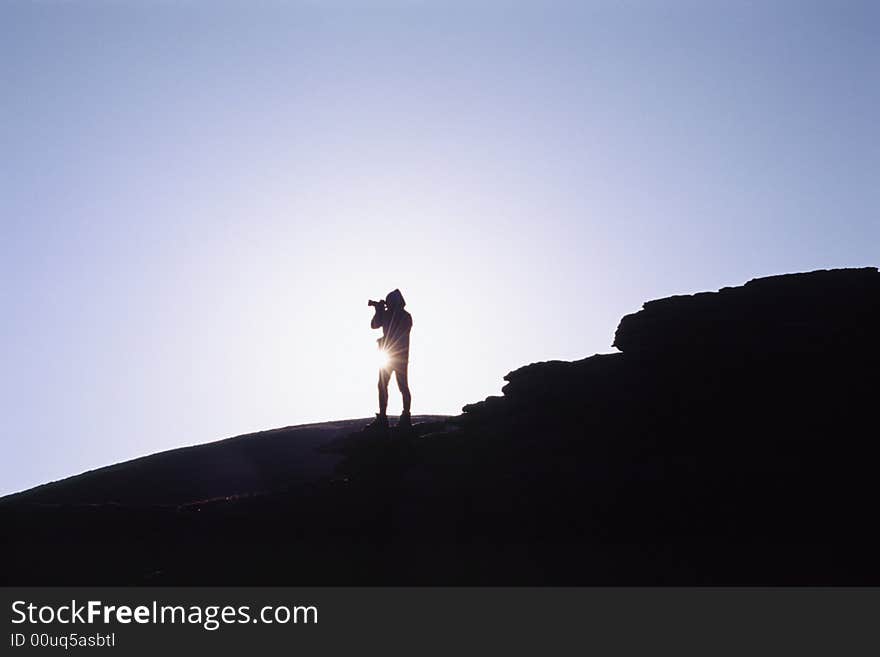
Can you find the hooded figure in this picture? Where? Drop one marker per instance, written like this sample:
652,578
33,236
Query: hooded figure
395,323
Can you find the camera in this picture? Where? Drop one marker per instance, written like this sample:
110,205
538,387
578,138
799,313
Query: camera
376,304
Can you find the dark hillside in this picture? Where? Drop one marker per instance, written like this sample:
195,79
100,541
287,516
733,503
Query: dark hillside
733,440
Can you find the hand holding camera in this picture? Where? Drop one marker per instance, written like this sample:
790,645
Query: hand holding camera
377,304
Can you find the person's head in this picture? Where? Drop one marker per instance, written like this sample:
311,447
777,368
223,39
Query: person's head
394,300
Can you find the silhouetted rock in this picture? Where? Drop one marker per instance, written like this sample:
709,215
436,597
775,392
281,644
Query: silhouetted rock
824,309
733,440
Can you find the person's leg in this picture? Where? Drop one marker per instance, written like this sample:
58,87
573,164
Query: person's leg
384,378
403,383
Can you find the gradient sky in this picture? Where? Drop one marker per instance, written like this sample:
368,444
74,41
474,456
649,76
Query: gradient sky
198,198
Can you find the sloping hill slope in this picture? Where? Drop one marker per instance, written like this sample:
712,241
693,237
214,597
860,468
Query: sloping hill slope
243,465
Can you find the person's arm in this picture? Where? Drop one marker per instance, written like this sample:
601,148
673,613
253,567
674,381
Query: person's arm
378,318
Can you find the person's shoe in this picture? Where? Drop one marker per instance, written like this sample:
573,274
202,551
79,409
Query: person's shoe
380,423
405,421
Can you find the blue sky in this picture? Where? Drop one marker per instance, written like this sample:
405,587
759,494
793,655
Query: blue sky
198,198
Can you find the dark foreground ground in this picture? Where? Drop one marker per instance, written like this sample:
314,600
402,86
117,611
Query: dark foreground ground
733,440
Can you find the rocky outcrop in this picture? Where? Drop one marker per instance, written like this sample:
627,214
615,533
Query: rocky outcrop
829,309
743,418
820,315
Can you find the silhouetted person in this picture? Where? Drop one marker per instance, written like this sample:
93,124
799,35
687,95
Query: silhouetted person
395,323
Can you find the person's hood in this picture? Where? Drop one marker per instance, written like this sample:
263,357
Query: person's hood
395,299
